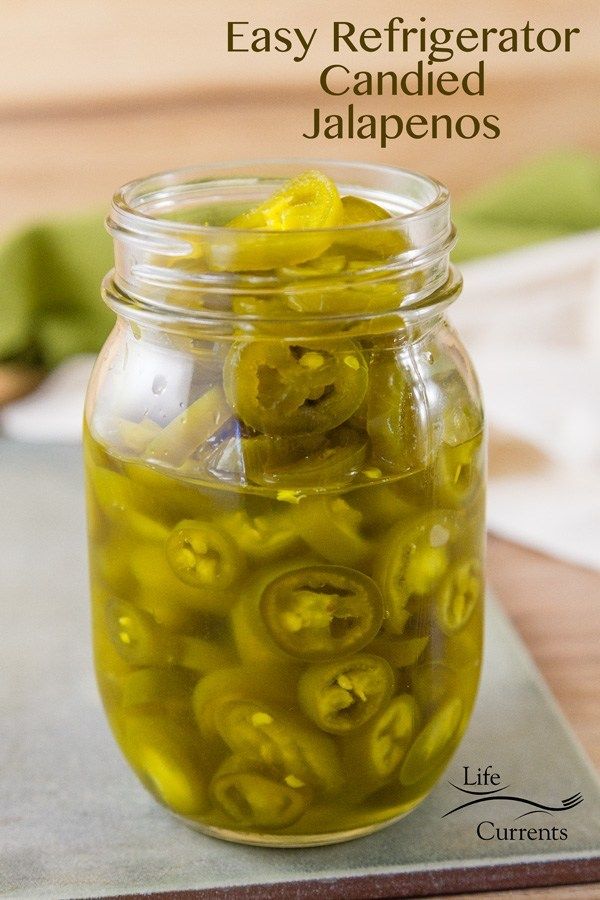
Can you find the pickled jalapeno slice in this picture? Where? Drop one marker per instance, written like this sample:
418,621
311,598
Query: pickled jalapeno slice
412,562
261,537
140,641
252,794
433,683
458,595
457,471
342,695
331,527
218,688
281,388
262,731
203,555
157,689
162,593
310,203
187,431
393,414
433,744
168,762
320,612
400,652
363,243
331,460
378,750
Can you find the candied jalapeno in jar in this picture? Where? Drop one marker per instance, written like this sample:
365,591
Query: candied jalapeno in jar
284,454
319,612
281,389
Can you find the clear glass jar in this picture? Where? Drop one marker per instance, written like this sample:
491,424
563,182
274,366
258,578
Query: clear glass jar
285,470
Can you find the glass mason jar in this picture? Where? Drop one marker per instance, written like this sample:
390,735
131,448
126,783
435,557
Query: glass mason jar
285,471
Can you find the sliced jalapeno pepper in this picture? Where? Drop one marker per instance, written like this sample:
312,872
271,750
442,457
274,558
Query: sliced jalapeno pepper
218,688
168,497
164,594
140,641
330,460
252,794
261,537
115,494
184,434
280,388
433,744
412,561
400,652
166,690
380,243
433,683
380,504
265,732
377,751
330,527
457,471
254,643
458,595
203,555
320,612
394,416
135,436
310,202
342,695
166,760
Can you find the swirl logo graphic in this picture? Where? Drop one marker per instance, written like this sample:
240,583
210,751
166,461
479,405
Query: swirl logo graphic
499,794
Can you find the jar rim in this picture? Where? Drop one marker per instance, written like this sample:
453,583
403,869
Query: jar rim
130,199
157,263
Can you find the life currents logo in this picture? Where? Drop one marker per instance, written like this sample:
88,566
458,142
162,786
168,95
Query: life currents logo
531,818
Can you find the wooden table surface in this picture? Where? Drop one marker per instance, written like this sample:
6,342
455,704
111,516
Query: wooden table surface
62,156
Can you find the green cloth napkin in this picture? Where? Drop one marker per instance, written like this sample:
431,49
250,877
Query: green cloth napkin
547,198
50,273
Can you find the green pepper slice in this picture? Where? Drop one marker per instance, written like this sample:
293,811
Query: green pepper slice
395,415
433,744
165,758
265,732
457,471
412,562
261,537
281,388
191,428
164,594
458,595
322,460
342,695
400,652
380,243
141,642
252,794
331,527
135,436
154,689
218,688
203,555
320,612
433,683
310,202
254,643
377,751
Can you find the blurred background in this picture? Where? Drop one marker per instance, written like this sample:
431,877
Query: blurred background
94,93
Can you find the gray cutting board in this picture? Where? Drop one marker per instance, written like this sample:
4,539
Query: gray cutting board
74,822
